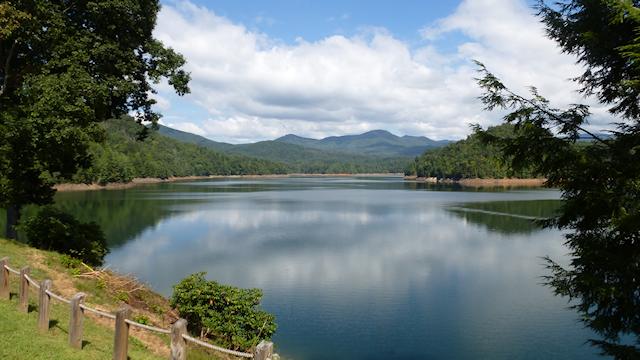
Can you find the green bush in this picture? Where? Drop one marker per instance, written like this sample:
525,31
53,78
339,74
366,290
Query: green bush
53,229
227,314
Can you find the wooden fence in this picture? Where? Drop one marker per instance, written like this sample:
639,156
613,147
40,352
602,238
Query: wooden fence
122,321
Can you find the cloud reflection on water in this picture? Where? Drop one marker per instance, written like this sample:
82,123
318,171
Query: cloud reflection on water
359,273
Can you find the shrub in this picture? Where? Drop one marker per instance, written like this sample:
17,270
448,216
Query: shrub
227,314
53,229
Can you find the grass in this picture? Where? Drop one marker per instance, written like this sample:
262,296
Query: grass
20,338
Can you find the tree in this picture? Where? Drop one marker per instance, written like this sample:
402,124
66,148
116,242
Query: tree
53,229
65,66
599,178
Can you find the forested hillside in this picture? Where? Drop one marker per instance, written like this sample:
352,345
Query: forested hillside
375,143
469,158
379,144
122,157
301,158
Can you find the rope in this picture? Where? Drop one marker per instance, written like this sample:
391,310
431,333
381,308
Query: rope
147,327
217,348
57,297
17,272
131,322
98,312
32,282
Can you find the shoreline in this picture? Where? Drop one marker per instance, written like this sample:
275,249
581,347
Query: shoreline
478,182
65,187
471,182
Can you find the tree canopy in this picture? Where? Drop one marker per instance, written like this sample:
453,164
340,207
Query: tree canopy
600,180
67,65
468,158
121,157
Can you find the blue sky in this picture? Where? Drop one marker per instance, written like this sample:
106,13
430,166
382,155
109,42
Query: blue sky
314,20
262,69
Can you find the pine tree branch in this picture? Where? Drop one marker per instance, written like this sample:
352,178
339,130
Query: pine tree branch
553,115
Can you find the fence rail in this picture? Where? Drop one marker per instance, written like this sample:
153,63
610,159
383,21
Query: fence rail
178,331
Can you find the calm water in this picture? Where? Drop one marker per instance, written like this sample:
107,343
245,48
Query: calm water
357,268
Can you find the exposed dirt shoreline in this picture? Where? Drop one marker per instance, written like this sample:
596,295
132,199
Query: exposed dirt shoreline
476,182
507,182
143,181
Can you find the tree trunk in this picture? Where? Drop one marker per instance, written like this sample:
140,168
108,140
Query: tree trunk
13,216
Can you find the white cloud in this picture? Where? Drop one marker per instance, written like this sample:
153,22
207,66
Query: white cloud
188,127
162,103
255,87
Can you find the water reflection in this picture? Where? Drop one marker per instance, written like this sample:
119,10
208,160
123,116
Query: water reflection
508,217
359,268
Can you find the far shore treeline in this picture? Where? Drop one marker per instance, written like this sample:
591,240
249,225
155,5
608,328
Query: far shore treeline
123,157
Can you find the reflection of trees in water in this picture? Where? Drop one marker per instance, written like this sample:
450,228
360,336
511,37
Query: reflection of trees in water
603,279
603,284
507,217
532,208
122,215
125,214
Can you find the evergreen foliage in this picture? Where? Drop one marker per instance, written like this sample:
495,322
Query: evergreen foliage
599,180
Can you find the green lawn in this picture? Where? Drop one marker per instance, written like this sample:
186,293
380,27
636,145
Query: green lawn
20,338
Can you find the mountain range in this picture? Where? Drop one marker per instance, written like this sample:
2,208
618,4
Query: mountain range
372,146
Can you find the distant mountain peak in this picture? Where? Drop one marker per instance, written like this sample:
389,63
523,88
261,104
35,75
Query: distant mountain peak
292,137
375,143
378,132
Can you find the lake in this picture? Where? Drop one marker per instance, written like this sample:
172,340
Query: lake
357,268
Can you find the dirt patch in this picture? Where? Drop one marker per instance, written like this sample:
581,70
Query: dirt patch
506,182
502,182
140,298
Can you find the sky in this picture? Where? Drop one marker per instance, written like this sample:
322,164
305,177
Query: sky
264,69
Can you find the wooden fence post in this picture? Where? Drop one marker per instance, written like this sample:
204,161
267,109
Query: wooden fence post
178,344
4,279
23,304
121,342
75,321
43,307
264,350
